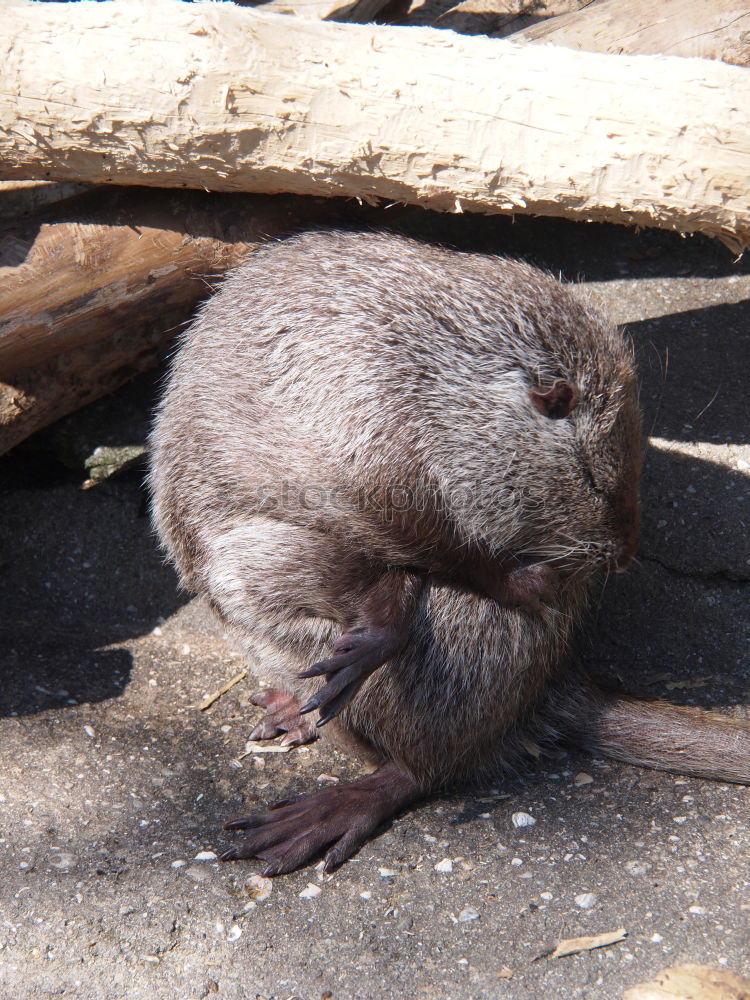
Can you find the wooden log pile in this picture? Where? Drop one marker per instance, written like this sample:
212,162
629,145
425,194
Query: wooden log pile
593,111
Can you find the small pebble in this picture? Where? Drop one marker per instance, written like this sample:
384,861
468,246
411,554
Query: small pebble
586,900
234,932
446,865
637,867
582,778
89,731
386,872
63,861
697,909
468,913
205,856
517,862
257,887
197,873
657,938
365,895
310,891
179,863
521,819
547,896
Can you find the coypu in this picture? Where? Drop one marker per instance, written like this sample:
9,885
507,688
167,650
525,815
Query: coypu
400,468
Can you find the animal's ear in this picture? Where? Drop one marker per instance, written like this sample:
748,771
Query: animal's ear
556,402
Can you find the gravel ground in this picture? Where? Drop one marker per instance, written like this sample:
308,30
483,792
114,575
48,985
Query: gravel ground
114,784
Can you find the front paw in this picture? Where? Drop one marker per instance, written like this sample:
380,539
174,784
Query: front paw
356,655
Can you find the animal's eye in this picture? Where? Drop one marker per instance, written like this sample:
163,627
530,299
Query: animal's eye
556,402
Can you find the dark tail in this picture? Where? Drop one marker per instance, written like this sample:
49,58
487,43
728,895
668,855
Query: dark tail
655,734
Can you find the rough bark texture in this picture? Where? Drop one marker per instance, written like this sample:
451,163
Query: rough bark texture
94,297
240,100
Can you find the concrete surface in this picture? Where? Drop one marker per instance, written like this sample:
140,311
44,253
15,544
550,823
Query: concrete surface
113,782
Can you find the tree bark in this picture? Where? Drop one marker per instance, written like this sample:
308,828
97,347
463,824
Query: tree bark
221,97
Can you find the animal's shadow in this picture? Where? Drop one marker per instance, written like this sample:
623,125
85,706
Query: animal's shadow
80,570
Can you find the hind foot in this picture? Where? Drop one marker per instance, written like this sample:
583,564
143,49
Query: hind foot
340,819
282,716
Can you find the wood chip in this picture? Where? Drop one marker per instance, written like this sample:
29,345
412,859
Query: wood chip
571,946
211,698
253,748
692,982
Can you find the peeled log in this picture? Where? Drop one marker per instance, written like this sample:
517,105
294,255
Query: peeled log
91,299
716,30
241,100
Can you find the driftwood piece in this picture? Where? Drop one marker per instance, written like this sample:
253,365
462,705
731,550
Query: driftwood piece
242,100
716,30
94,297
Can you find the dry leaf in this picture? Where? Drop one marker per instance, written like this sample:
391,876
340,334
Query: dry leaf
692,982
570,946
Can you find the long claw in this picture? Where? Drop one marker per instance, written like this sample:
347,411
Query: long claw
294,831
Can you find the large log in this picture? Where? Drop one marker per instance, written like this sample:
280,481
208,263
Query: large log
92,295
716,30
719,29
499,18
241,100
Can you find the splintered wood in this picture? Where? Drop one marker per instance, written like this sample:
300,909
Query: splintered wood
242,100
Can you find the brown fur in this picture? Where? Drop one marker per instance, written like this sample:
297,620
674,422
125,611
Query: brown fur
363,369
